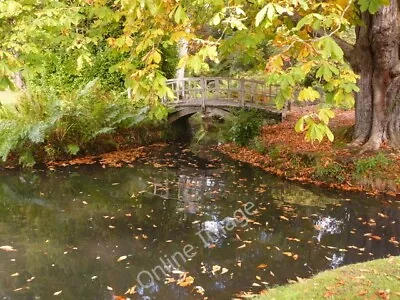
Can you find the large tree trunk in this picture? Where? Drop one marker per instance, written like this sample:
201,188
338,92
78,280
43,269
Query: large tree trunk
376,59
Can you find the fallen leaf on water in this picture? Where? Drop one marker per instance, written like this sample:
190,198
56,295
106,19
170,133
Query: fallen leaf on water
199,289
290,254
57,293
131,291
15,275
7,248
262,266
272,273
186,281
240,247
224,270
93,277
293,239
122,258
283,218
256,284
215,269
170,280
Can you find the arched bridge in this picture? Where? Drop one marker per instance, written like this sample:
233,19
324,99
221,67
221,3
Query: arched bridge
219,95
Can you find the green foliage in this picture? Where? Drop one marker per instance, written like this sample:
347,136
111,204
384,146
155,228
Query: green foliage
258,145
245,126
364,165
331,172
56,125
59,70
275,152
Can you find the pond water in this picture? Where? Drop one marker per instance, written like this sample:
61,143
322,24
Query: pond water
87,232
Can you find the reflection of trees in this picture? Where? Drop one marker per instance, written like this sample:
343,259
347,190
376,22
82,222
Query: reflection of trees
50,207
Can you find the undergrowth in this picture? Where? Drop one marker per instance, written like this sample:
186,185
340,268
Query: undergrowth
44,123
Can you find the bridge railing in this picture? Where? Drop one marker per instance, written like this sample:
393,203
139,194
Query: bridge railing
237,90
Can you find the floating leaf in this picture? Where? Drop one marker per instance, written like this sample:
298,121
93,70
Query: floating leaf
122,258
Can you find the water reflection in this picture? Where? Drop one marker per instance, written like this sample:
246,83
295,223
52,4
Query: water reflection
71,226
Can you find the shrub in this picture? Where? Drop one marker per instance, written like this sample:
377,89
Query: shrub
245,126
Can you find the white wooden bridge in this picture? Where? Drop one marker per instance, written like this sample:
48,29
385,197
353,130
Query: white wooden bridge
218,95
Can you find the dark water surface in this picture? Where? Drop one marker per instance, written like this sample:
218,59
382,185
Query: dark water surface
71,226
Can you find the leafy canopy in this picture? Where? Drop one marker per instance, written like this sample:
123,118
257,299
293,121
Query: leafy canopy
308,63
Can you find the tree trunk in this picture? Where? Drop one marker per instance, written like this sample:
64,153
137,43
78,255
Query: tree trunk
376,59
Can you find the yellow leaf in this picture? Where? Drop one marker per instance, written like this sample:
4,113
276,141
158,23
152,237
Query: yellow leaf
122,258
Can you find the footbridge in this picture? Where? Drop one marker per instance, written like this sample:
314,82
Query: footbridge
219,95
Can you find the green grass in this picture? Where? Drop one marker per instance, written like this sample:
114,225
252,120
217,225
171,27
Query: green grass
377,279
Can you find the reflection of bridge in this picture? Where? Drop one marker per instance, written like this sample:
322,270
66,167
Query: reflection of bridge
190,191
218,95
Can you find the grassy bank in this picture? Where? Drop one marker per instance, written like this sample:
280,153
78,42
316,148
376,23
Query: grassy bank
282,151
378,279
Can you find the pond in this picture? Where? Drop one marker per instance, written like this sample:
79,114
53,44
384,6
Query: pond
95,233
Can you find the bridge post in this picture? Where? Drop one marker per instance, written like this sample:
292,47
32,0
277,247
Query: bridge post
203,93
242,94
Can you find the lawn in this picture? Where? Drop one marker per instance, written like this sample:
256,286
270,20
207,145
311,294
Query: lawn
378,279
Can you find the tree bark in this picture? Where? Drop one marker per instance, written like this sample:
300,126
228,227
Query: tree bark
376,59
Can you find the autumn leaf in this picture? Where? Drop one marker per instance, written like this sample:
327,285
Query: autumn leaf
215,269
122,258
186,281
262,266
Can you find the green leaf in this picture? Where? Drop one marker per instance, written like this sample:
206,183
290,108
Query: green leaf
72,149
180,15
372,5
261,15
329,134
330,49
325,72
216,19
308,94
300,125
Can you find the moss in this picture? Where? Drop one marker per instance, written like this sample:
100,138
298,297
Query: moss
378,279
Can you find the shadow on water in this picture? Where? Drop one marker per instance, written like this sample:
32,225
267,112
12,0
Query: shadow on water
70,227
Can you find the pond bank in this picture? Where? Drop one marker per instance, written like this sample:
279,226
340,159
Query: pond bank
283,152
378,279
